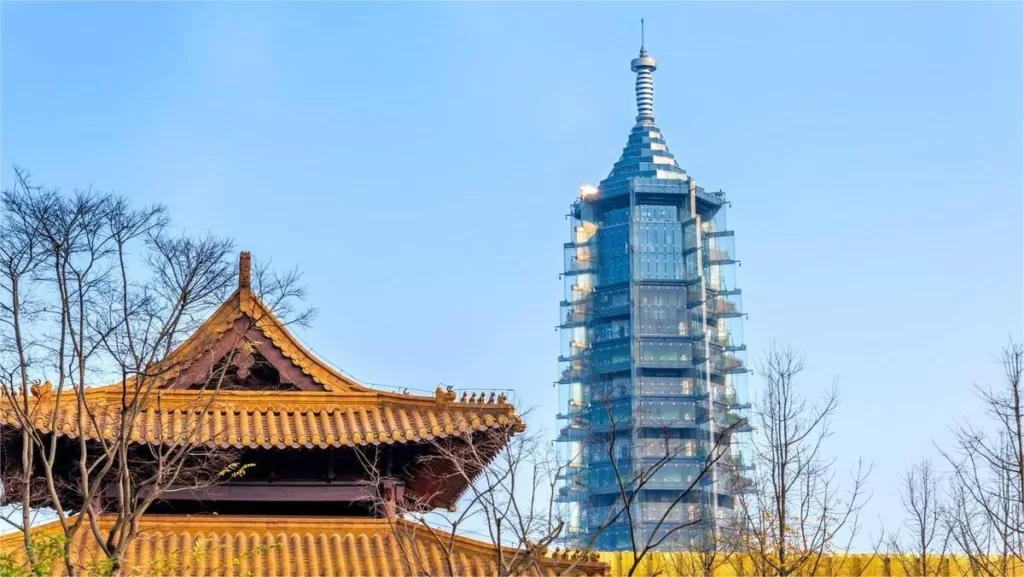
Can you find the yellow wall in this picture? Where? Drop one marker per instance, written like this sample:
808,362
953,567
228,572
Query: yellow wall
853,565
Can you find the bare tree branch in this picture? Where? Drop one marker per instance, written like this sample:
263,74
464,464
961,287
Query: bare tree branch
986,513
97,291
795,507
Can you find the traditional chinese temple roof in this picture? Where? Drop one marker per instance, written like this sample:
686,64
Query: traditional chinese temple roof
322,408
232,545
330,409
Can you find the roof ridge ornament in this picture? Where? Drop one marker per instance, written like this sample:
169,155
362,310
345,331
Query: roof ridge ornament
43,389
444,396
244,270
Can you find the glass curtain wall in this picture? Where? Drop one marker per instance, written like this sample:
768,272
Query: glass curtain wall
652,369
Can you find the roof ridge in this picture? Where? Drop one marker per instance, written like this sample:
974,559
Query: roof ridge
244,303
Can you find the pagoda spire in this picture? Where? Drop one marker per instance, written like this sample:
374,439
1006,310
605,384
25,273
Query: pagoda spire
644,66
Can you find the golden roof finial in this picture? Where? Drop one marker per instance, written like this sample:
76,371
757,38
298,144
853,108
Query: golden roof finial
244,274
41,389
445,395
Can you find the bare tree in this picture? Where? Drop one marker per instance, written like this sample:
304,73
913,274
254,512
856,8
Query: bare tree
96,291
21,254
512,484
715,546
795,509
922,548
509,478
689,518
986,517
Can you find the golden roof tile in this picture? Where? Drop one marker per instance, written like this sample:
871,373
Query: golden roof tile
262,419
338,546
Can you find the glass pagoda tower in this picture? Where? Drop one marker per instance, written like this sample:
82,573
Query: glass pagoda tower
652,370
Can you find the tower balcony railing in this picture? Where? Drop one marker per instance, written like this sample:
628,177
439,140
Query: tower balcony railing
724,340
727,363
673,513
611,366
715,256
578,348
681,361
571,493
578,355
574,432
694,295
600,426
701,351
597,517
640,185
611,311
727,399
574,373
671,481
715,199
670,421
571,409
732,363
672,448
726,359
582,235
647,451
731,347
576,313
616,189
575,478
726,335
575,265
665,352
725,305
731,403
691,393
725,419
578,292
606,391
606,487
737,462
646,185
720,247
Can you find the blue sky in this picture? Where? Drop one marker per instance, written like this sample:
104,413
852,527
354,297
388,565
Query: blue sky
417,161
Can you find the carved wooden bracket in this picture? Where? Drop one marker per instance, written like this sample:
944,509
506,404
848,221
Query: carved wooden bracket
391,493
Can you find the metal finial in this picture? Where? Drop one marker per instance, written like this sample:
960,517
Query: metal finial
644,65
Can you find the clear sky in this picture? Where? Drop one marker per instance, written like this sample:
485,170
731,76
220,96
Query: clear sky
417,161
